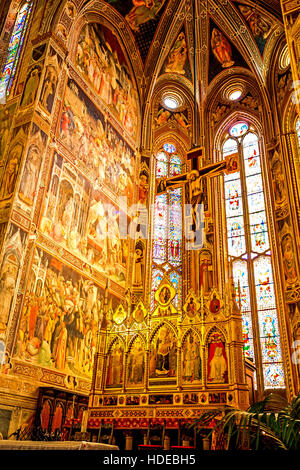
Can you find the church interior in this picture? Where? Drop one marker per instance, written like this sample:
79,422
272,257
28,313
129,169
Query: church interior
149,215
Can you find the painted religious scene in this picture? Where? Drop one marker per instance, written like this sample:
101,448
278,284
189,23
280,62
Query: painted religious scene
115,366
223,54
178,60
101,153
143,18
100,59
83,221
217,364
60,318
191,359
13,161
163,354
13,252
31,171
149,239
136,363
6,115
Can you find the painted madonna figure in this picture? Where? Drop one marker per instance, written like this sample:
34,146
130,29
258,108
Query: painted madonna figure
217,363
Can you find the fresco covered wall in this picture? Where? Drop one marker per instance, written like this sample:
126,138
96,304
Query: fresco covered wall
101,61
67,154
102,154
60,317
84,221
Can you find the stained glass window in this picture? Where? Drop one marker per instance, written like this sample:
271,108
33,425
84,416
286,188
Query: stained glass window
298,131
238,129
170,148
249,252
167,225
14,48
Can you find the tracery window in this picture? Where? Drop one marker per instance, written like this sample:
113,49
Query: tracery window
167,225
14,48
249,251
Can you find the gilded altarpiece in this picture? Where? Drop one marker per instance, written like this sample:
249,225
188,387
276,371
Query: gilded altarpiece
168,364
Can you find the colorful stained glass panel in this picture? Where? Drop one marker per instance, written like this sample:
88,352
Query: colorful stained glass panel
256,202
252,163
254,221
239,129
233,199
298,131
175,165
14,48
254,184
167,223
229,147
273,375
250,146
233,189
269,333
162,157
175,159
176,281
236,238
160,229
263,270
175,227
240,277
248,336
161,165
170,148
259,232
234,206
265,295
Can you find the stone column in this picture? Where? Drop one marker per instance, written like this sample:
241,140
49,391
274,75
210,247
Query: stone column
206,443
128,442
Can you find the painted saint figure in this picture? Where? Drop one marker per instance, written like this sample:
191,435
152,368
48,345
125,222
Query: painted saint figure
289,262
177,56
31,88
7,289
221,48
143,11
143,189
217,363
278,180
30,176
191,360
206,271
49,87
11,172
191,308
138,267
5,121
115,366
136,364
163,360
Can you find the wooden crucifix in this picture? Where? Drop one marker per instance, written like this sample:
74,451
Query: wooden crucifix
194,178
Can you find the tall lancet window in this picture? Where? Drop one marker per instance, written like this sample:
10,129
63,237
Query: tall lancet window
249,252
167,225
14,48
298,131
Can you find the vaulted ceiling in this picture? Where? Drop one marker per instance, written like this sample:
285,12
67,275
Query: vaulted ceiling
230,37
251,28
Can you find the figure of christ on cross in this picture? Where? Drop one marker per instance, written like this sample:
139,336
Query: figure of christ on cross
194,178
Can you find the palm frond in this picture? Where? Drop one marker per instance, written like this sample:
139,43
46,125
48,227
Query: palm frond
272,402
270,423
